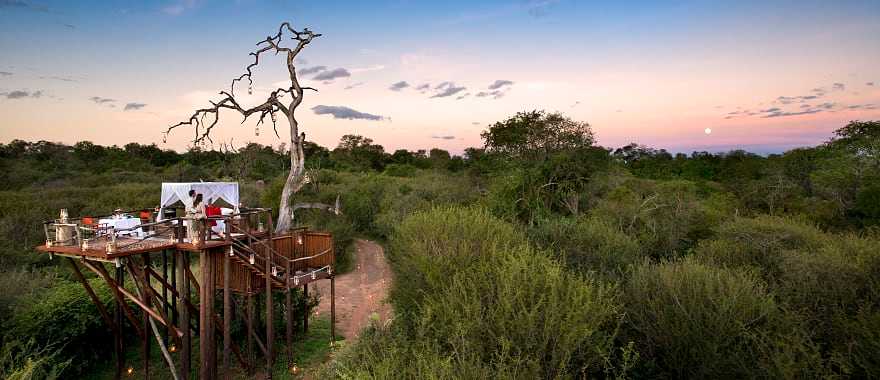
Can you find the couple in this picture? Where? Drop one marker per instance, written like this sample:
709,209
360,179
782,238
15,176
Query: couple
196,215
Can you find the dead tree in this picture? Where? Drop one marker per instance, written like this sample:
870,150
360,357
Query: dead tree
273,105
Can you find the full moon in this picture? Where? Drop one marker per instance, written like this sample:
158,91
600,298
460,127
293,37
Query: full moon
708,131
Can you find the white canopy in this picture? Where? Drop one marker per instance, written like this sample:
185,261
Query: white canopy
211,192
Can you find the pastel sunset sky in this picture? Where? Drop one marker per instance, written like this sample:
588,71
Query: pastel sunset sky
764,76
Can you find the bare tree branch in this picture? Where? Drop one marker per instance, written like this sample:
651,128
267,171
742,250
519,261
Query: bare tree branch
204,120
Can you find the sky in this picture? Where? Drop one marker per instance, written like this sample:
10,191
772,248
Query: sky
764,76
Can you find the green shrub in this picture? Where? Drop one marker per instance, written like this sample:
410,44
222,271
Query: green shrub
587,244
472,299
65,316
691,320
758,242
400,170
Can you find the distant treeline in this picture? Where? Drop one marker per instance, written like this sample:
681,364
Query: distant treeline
838,179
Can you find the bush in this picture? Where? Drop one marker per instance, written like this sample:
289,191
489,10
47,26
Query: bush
400,170
472,299
587,244
64,315
691,320
759,242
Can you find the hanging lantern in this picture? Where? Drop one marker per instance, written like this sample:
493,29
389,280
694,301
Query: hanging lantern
250,89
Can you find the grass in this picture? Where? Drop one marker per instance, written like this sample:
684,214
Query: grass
309,351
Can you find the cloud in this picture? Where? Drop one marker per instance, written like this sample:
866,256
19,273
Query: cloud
482,94
177,8
540,8
20,94
862,106
133,106
70,26
442,85
351,86
399,86
342,112
783,114
311,70
5,73
332,74
368,68
423,87
446,137
500,83
497,94
59,78
579,102
100,100
463,96
448,90
23,5
838,87
475,123
870,84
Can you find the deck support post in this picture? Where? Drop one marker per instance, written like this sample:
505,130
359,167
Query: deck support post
117,313
166,304
207,347
288,304
182,260
270,333
145,298
305,305
333,309
249,317
227,315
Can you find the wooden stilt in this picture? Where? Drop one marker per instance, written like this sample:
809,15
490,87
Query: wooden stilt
249,318
207,347
166,304
270,333
288,304
305,304
145,342
333,309
182,260
227,316
120,342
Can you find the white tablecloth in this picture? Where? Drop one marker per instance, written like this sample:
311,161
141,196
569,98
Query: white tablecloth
120,223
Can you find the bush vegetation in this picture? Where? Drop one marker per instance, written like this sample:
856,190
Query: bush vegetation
538,255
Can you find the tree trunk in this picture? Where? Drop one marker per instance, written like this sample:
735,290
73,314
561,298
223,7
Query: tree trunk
294,178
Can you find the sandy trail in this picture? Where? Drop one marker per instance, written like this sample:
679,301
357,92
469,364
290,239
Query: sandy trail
359,293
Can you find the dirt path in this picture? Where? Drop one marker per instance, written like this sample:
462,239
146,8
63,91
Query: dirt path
359,293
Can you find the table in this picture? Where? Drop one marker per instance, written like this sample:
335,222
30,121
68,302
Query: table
122,223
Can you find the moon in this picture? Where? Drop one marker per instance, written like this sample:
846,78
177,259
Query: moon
708,131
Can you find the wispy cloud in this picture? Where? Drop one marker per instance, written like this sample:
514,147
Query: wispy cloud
447,89
351,86
311,70
133,106
21,94
869,84
332,74
59,78
463,96
342,112
177,8
444,137
399,86
100,100
23,5
500,83
5,74
423,87
368,68
838,87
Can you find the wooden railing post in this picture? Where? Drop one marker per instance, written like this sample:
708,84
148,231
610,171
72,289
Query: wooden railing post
270,336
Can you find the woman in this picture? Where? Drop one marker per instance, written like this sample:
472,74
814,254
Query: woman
196,215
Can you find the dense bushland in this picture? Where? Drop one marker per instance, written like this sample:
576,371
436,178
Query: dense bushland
473,299
539,255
